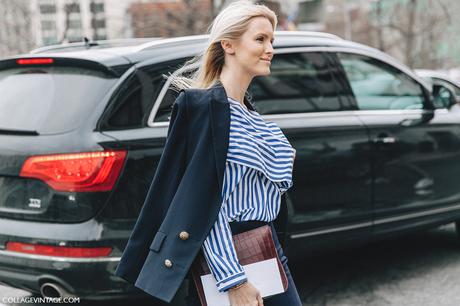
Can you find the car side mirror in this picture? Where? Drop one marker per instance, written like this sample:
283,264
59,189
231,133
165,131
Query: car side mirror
444,97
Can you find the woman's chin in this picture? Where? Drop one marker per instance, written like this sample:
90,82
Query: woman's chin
264,72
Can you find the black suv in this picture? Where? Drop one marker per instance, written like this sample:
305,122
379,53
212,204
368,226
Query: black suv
82,128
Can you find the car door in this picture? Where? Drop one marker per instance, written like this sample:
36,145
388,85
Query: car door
330,201
415,148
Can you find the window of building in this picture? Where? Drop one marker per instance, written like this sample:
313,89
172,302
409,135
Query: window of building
73,7
50,40
98,23
47,9
48,25
74,38
98,36
75,24
96,7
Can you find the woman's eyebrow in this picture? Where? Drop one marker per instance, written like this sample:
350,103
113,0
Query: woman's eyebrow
261,33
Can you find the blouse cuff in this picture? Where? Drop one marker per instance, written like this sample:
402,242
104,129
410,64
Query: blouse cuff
231,281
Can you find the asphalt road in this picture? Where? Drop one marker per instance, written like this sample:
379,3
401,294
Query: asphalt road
420,269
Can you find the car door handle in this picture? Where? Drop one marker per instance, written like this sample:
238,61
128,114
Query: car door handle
384,138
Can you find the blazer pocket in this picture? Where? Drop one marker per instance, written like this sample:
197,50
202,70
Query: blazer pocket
157,241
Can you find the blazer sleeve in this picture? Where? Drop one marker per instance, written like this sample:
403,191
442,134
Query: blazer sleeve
168,175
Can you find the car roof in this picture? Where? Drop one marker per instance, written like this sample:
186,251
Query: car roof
119,55
431,73
123,51
436,74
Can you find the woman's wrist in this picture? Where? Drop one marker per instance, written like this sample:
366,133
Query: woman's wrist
239,285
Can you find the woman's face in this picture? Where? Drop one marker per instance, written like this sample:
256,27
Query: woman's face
254,51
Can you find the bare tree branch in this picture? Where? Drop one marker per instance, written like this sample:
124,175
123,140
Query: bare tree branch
445,10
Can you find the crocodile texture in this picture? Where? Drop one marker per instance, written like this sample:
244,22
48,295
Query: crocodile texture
251,246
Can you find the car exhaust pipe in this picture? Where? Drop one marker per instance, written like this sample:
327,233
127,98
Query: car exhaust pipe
54,290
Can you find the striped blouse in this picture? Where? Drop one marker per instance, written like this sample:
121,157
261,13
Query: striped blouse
258,171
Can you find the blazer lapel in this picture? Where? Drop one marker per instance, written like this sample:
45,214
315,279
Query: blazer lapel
220,123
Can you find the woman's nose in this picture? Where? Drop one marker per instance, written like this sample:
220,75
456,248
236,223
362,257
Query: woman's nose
269,48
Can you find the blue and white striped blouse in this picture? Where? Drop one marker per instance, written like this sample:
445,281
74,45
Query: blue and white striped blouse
258,171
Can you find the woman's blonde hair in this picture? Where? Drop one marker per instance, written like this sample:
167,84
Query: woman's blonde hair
230,23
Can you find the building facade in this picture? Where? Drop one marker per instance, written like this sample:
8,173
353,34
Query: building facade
15,27
61,21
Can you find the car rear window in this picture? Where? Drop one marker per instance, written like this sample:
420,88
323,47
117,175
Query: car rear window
49,100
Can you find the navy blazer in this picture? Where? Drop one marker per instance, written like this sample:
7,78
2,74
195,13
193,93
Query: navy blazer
184,197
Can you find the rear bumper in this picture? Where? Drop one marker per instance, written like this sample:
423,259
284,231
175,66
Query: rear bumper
87,278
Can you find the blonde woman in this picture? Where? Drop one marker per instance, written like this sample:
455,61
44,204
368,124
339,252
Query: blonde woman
222,172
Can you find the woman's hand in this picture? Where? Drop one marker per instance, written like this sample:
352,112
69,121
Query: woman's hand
246,295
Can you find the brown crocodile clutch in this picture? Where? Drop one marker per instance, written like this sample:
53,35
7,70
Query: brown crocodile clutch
251,246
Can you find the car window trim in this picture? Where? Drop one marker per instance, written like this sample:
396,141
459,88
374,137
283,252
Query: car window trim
455,86
161,95
334,49
296,120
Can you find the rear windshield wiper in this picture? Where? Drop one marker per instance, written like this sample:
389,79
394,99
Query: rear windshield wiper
19,132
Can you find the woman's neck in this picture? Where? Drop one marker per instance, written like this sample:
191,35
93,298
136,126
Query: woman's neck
235,85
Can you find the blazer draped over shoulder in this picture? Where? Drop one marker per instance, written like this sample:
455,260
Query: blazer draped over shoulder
184,196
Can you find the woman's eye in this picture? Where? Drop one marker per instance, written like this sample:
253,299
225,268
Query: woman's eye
260,38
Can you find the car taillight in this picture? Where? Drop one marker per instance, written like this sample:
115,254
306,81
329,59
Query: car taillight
34,61
79,172
63,251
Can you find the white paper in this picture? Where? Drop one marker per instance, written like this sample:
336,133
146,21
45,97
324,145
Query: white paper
264,275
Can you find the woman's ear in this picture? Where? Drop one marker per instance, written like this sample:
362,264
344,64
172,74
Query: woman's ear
227,45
